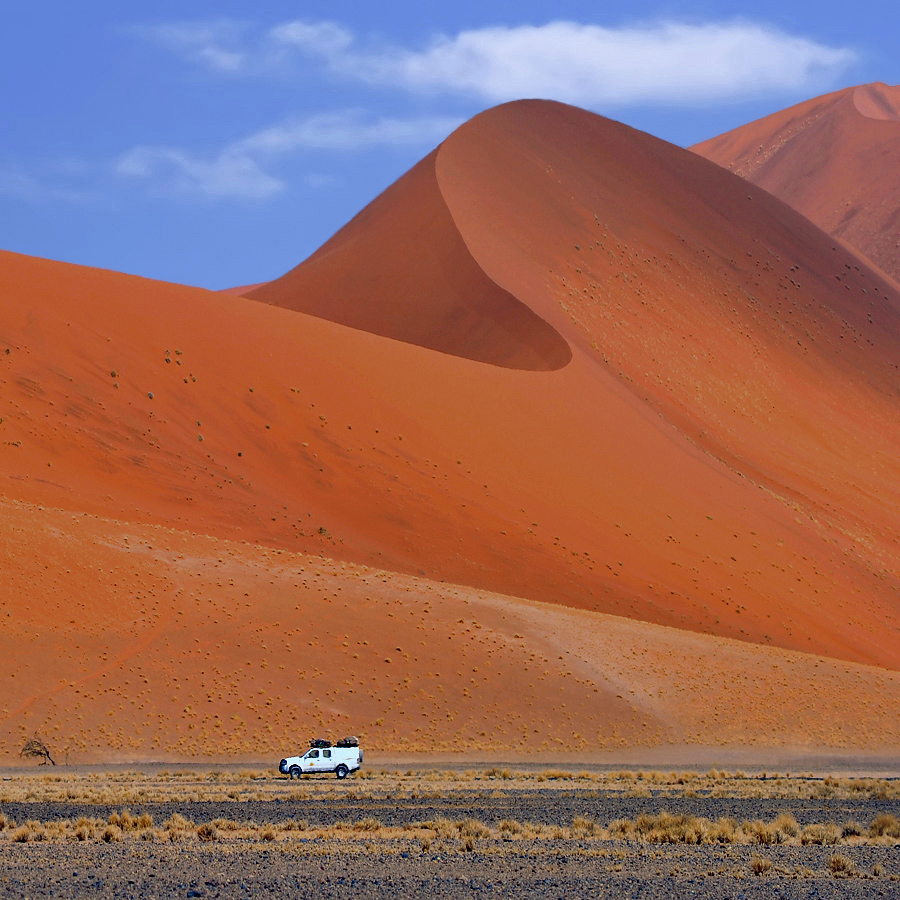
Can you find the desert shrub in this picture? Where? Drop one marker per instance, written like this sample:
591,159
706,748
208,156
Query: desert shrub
820,834
510,826
207,832
4,822
885,825
584,826
852,829
668,828
759,865
268,833
762,833
787,825
840,865
177,822
35,748
226,824
473,828
369,824
722,831
22,835
111,834
443,828
293,825
469,844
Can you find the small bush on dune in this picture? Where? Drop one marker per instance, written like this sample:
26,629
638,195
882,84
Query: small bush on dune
787,825
820,834
759,865
111,834
852,829
369,824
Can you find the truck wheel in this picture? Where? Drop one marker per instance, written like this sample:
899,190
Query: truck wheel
295,772
342,771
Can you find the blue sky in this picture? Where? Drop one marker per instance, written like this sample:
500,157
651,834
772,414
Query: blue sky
220,143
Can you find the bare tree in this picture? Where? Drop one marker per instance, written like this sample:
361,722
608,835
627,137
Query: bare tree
35,748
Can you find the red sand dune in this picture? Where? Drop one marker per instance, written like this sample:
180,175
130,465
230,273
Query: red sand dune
590,369
834,159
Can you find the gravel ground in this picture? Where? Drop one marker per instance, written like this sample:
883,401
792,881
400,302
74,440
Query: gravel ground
550,806
121,871
545,869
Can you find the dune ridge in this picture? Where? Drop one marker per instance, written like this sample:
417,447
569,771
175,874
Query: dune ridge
400,269
833,159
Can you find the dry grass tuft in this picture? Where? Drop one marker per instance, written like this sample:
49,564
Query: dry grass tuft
885,825
840,866
759,865
208,832
820,834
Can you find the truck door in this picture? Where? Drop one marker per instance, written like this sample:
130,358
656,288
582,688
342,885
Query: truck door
326,763
311,761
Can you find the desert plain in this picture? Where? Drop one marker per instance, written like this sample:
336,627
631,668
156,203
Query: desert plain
573,448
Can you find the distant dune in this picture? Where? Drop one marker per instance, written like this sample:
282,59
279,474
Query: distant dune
565,432
834,159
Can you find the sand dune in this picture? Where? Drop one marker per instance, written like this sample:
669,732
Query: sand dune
559,362
832,158
142,642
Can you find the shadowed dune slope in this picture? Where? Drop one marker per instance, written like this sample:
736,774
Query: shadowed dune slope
401,269
717,455
833,158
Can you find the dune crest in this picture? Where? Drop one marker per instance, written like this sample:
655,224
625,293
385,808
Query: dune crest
400,269
878,101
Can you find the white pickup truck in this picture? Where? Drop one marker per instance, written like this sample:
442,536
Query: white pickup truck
341,758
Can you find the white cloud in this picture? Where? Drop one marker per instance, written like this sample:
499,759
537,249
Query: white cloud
229,174
237,171
348,130
590,65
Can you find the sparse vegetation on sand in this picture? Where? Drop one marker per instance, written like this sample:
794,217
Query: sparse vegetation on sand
266,784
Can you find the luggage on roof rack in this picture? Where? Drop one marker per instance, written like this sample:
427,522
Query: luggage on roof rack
319,743
348,742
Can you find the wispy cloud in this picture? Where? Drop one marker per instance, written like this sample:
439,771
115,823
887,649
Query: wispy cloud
19,184
228,174
217,44
591,65
239,169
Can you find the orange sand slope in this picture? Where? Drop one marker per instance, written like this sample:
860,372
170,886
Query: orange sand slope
609,376
834,159
142,642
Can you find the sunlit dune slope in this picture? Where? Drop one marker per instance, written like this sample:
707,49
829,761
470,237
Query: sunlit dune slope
670,397
833,158
143,642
